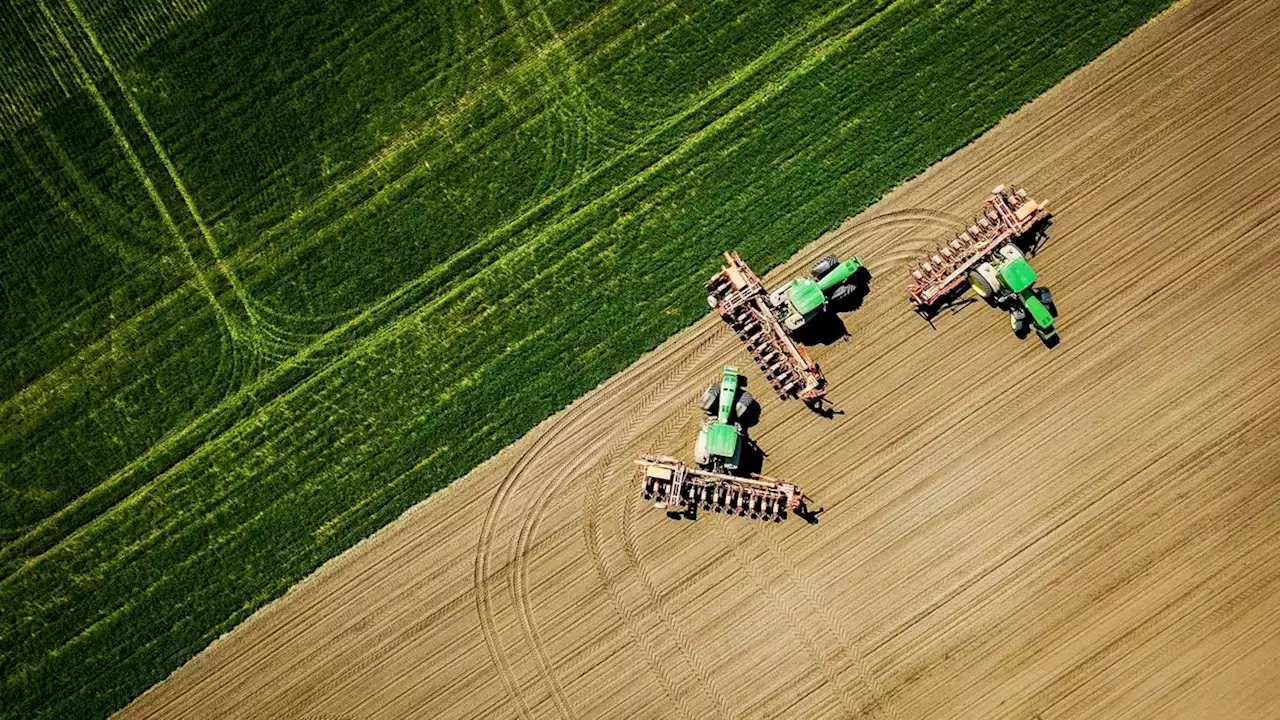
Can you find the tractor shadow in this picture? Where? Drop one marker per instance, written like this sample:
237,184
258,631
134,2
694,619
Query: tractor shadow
752,458
823,408
808,515
953,303
1035,238
1050,342
826,329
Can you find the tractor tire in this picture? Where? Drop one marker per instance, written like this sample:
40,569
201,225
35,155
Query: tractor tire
744,404
710,399
984,280
825,264
842,293
1018,319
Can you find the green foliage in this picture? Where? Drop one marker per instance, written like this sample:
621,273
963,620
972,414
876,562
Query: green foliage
417,227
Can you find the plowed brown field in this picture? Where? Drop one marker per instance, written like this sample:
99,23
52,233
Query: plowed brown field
1089,531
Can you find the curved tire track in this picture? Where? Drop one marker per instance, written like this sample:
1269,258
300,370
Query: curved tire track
591,525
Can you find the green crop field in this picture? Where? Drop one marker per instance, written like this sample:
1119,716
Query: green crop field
274,272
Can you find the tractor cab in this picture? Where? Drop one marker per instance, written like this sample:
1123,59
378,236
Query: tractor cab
719,447
804,299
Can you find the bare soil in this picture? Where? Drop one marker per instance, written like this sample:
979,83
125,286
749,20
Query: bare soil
1008,530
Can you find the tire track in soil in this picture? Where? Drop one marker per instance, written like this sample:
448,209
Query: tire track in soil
518,568
845,238
606,469
519,580
900,255
484,609
661,603
483,577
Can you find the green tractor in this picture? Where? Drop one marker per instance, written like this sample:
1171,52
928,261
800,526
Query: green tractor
1007,280
721,438
804,298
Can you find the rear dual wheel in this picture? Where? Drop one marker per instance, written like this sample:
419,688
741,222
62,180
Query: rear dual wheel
710,401
985,281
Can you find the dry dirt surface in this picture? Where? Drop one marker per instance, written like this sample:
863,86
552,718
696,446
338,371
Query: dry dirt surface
1091,531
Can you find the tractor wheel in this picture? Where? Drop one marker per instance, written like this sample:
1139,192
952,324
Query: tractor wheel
842,293
825,264
1018,319
984,280
709,399
744,404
